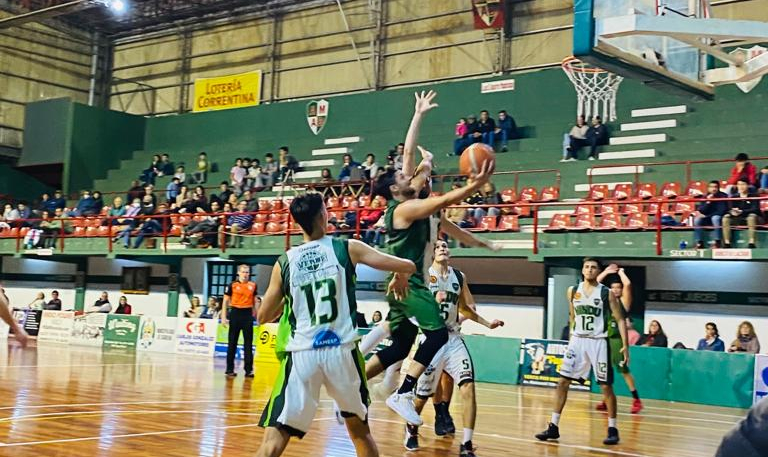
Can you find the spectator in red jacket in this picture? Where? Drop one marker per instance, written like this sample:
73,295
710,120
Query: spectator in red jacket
123,307
742,170
370,216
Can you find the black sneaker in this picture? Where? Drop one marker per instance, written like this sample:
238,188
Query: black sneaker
699,245
726,245
440,425
411,437
752,246
466,450
450,429
249,374
551,433
613,436
230,374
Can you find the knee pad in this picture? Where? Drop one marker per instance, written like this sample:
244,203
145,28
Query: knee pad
434,341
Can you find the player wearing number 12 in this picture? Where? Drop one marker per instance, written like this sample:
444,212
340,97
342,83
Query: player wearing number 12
317,336
592,306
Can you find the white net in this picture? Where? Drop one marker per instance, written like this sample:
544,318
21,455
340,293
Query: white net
595,89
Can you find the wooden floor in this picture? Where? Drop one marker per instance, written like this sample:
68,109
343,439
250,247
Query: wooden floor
70,401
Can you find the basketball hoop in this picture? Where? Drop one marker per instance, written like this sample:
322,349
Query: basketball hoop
595,88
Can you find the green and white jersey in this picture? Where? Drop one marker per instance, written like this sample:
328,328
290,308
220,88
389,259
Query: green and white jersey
447,290
319,290
416,243
592,313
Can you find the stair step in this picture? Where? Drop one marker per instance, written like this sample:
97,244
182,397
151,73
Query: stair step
639,139
344,140
330,151
629,169
660,111
662,124
633,154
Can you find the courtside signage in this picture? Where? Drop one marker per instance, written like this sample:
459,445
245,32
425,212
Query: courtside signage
196,336
732,254
761,378
157,334
490,87
56,326
227,92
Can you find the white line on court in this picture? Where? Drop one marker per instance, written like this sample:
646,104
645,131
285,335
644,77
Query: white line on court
127,403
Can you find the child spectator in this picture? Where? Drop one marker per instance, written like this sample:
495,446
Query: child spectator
655,336
711,340
506,129
746,339
237,176
180,174
201,173
269,171
288,165
172,190
461,131
744,170
253,178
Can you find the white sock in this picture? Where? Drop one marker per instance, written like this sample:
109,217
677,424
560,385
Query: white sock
555,418
612,422
374,337
468,434
392,377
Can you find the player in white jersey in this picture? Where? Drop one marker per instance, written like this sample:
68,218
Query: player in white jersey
450,289
314,287
591,306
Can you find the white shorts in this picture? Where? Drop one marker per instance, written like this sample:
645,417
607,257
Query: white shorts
454,359
584,354
296,394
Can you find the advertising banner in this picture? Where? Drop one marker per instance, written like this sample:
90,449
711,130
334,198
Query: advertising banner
88,329
226,92
196,336
121,331
222,341
540,361
157,334
761,378
32,321
266,337
56,326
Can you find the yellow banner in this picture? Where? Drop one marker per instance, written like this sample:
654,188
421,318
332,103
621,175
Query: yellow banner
226,92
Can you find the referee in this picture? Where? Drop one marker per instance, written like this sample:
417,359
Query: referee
241,296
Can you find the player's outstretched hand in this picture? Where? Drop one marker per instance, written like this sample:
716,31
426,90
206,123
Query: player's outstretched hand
496,323
484,175
424,101
425,155
398,286
495,247
625,352
612,268
21,336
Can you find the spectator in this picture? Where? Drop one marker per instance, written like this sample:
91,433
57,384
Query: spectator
203,227
487,195
633,336
746,339
200,176
461,134
326,176
763,180
38,303
742,212
57,202
147,206
238,223
269,172
165,167
85,206
711,340
199,200
55,303
180,174
149,226
122,306
597,135
233,201
395,157
655,336
102,305
253,176
45,203
251,204
575,140
149,191
24,213
370,167
376,319
224,193
288,165
487,128
212,309
9,216
195,308
50,228
117,209
59,225
98,202
473,135
710,214
371,215
743,169
130,222
348,164
237,176
150,173
136,191
172,190
506,129
184,197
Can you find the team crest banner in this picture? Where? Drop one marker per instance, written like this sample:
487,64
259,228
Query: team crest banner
540,361
747,55
226,92
317,115
489,14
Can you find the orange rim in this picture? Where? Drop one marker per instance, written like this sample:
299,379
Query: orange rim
573,64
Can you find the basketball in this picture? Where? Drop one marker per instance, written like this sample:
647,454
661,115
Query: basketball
473,157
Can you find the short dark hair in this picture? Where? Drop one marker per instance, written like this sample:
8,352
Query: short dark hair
203,153
239,158
224,183
401,144
269,154
484,111
714,326
716,182
284,148
305,208
592,259
165,155
741,157
370,155
502,111
744,180
383,183
176,178
55,292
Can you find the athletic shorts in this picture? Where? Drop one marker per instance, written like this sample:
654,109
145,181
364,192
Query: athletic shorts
617,358
296,394
454,359
420,305
584,354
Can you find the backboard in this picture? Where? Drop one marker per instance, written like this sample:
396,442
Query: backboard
669,44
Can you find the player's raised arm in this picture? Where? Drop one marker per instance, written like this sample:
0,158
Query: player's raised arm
619,314
463,236
360,252
424,103
272,301
467,308
417,209
626,293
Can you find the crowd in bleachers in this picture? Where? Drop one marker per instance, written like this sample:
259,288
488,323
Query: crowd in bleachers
486,130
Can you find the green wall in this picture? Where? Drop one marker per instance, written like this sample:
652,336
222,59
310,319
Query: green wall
20,185
47,128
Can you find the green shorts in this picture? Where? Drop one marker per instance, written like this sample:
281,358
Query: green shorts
420,305
617,358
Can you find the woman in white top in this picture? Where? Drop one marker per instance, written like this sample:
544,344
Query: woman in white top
38,302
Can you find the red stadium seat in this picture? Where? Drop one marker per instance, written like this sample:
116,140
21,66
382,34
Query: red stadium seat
598,192
671,190
261,217
696,188
91,231
9,233
646,190
529,194
684,207
610,222
258,227
487,223
560,222
657,205
584,222
364,201
636,221
79,231
175,230
622,191
508,223
633,206
584,209
275,227
102,231
264,205
333,203
550,194
609,208
23,231
277,205
522,210
508,196
346,202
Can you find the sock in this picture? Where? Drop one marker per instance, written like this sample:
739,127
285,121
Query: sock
373,338
468,434
555,418
635,395
612,422
408,384
438,409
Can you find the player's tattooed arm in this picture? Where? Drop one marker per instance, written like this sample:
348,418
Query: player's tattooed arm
465,237
272,301
619,313
424,103
468,308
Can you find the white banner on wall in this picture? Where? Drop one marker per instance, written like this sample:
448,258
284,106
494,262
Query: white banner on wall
88,329
157,334
761,378
196,336
56,326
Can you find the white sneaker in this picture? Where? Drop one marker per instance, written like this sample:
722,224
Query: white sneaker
573,160
591,158
563,160
337,413
379,392
402,404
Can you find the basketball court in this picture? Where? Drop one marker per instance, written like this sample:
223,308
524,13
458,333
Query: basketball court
63,401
